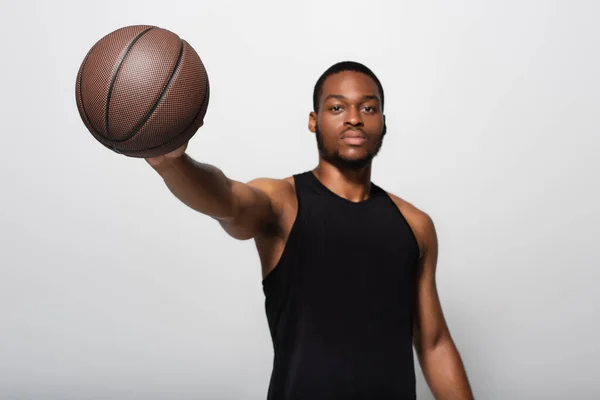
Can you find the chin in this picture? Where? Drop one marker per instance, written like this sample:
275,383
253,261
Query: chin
352,156
352,162
347,158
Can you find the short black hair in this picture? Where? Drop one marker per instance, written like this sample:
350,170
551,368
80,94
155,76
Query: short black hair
341,67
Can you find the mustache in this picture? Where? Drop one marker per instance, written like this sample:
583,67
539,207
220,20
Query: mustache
352,131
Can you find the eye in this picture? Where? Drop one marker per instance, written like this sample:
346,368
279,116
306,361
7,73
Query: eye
369,109
335,108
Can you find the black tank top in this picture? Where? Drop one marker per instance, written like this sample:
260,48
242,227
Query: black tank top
340,301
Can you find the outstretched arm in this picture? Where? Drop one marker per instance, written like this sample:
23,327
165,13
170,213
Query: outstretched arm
244,210
439,358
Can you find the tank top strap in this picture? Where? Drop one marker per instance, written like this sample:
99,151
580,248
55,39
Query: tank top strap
305,183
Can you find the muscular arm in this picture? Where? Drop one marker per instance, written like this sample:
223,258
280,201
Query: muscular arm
439,358
243,210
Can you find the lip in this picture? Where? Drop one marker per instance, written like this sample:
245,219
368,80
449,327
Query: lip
354,137
354,140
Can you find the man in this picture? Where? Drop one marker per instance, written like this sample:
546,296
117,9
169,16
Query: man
348,269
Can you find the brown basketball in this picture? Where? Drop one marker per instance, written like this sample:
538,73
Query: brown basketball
142,91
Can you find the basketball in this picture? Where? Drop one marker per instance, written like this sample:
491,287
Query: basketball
142,91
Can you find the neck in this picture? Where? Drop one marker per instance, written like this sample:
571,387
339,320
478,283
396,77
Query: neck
351,184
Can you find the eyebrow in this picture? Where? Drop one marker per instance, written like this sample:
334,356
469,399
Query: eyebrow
341,97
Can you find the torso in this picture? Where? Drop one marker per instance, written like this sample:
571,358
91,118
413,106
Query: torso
338,278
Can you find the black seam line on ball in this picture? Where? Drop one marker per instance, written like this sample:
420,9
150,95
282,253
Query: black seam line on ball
89,121
183,131
149,114
114,78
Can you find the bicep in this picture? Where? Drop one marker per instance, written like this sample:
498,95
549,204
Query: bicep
430,325
253,209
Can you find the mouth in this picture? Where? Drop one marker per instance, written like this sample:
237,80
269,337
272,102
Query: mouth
354,138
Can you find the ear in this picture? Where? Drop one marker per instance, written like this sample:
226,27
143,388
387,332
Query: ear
312,122
384,131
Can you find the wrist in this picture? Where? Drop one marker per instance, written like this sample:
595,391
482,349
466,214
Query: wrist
167,164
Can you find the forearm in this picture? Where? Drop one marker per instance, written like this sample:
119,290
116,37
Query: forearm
444,371
202,187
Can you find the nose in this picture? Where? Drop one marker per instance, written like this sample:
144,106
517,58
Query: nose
353,117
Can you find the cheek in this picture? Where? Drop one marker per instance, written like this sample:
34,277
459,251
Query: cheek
375,126
375,121
329,126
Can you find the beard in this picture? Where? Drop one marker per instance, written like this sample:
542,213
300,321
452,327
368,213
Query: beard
335,158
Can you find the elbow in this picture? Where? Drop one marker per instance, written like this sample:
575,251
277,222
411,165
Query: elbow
426,343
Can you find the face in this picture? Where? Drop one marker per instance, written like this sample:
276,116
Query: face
349,125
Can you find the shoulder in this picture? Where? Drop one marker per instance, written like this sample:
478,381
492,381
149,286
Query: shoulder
281,192
420,222
273,187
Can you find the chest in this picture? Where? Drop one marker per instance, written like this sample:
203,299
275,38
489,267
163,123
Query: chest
376,234
354,260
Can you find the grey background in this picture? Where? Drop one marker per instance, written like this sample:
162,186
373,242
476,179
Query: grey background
112,289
